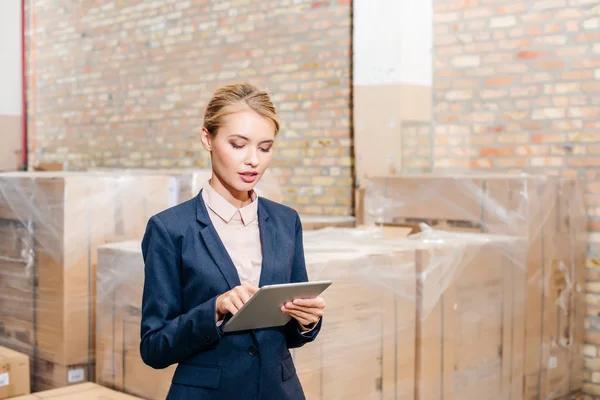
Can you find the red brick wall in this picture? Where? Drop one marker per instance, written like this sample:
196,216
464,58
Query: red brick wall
124,84
517,87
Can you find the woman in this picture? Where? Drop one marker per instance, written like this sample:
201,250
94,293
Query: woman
206,257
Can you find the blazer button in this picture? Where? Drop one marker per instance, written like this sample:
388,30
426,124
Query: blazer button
252,351
207,338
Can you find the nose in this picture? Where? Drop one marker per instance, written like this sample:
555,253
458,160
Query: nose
252,158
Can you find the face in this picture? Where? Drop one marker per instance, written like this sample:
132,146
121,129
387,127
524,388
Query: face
241,151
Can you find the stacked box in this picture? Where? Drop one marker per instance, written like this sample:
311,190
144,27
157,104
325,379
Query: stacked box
120,366
547,212
454,316
14,373
119,363
50,227
403,315
81,391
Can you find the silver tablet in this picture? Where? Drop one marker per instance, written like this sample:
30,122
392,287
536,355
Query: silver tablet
263,310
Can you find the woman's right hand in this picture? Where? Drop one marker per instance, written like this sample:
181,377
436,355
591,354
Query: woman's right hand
233,300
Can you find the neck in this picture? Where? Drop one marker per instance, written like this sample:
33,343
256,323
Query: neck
234,197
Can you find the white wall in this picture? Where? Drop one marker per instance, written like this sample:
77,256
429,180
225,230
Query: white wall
10,57
10,82
392,42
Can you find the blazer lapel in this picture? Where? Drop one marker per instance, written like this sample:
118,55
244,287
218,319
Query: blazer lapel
268,235
215,246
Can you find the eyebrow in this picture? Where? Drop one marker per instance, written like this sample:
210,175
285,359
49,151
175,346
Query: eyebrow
245,138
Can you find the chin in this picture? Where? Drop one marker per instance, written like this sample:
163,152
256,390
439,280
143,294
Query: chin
242,186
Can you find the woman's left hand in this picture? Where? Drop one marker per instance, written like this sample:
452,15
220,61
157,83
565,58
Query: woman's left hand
305,311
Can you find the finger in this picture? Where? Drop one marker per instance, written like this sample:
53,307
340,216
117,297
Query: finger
253,289
303,321
244,296
250,288
292,306
316,302
230,307
310,310
236,301
299,318
301,315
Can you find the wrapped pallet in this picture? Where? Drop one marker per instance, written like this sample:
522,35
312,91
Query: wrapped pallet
445,316
80,391
440,315
50,226
119,363
548,214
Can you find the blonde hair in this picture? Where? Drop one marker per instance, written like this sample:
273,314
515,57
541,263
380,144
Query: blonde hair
234,98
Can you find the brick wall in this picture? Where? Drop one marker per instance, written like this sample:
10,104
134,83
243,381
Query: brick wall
517,87
124,84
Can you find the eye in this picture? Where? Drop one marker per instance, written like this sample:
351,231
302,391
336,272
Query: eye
237,146
265,150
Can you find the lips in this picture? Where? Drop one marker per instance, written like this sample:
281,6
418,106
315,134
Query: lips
248,176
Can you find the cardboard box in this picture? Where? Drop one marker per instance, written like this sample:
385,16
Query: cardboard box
366,346
119,364
314,222
14,373
536,208
50,375
446,297
81,391
403,316
53,223
470,321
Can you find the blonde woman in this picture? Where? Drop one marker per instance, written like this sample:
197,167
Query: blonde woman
206,257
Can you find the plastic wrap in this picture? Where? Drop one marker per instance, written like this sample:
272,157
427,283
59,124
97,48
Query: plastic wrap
186,183
548,214
120,366
50,226
79,391
403,314
482,301
316,222
462,308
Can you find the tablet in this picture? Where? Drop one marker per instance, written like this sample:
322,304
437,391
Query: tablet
263,310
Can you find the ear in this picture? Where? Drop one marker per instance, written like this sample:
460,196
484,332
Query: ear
206,139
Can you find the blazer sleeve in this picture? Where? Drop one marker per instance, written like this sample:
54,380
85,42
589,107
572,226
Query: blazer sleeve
169,336
293,334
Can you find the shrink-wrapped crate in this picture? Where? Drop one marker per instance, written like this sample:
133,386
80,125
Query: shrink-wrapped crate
50,227
548,213
119,363
437,314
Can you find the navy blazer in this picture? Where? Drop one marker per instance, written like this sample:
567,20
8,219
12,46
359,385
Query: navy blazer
186,268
